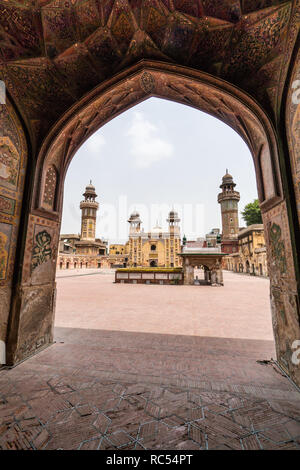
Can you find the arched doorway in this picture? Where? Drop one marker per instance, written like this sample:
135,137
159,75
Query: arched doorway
247,267
153,264
202,275
191,88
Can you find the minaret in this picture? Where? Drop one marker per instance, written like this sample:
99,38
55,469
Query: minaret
135,223
89,209
229,199
173,221
174,233
135,241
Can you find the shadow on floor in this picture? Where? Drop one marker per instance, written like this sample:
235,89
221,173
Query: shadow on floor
96,389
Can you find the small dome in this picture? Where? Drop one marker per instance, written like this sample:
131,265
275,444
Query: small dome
90,192
134,217
173,214
90,187
227,177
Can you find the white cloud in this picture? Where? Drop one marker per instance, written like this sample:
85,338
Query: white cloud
94,144
147,147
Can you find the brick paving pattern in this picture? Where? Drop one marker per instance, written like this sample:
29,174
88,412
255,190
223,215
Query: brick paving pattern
102,389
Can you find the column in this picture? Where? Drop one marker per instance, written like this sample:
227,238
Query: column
188,272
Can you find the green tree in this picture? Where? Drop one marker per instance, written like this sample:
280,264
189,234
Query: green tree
252,213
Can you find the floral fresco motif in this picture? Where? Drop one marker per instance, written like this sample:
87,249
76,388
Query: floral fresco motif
3,255
277,247
147,82
9,163
5,240
7,205
42,250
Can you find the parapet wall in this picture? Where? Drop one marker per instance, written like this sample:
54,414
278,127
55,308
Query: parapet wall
149,276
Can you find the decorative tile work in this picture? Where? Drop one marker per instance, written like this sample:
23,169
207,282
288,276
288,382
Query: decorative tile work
283,287
292,117
9,163
7,205
277,247
13,162
13,159
147,82
42,251
5,240
50,187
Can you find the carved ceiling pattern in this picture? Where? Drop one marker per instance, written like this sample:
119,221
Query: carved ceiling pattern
53,52
175,83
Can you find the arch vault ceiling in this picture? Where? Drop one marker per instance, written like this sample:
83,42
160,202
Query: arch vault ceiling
53,52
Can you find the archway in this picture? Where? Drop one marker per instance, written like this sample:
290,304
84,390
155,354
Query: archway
247,267
202,275
126,89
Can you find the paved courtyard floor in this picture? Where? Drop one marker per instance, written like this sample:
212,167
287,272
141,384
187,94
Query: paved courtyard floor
239,309
153,367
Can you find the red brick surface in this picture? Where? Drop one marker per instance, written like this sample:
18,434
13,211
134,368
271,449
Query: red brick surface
104,389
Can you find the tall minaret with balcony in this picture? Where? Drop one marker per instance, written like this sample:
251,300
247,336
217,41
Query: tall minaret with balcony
89,208
228,199
135,223
173,221
135,241
174,231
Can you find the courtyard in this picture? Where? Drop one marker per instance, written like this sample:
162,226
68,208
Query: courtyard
90,299
153,367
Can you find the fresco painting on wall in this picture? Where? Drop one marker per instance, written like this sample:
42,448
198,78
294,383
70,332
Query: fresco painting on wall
296,137
43,260
9,163
42,251
7,205
5,237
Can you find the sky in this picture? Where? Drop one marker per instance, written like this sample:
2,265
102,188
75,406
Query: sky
158,156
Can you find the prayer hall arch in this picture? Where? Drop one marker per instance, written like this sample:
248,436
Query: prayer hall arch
32,316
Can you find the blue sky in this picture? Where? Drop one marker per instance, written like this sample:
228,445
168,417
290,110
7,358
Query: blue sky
156,156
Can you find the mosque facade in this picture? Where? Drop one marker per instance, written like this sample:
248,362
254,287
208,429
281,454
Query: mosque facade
244,248
156,248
